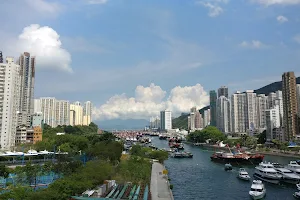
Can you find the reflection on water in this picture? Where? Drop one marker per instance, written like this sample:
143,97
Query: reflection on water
199,178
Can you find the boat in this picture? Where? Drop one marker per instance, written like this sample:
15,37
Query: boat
294,167
243,174
182,155
258,190
228,166
287,175
266,172
297,195
237,159
162,137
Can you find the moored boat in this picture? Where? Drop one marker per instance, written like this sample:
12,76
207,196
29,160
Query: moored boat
228,166
287,175
266,172
237,159
297,195
243,174
258,190
182,155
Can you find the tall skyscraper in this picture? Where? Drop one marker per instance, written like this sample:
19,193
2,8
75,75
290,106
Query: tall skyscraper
37,108
206,118
298,99
1,57
271,100
261,105
76,114
166,120
223,114
87,113
62,112
244,112
279,103
223,91
9,100
192,117
272,122
290,107
26,104
48,109
198,121
213,104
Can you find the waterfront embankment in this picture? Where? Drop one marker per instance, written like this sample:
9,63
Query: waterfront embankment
272,152
160,186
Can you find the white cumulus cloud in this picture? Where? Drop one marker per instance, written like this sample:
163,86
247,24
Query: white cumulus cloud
213,6
281,19
149,101
277,2
44,43
254,44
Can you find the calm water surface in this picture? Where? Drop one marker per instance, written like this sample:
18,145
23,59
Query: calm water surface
199,178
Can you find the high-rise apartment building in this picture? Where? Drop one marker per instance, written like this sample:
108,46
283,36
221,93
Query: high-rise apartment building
251,112
76,114
48,110
272,122
244,112
37,106
290,106
192,117
261,105
62,112
279,103
206,118
87,113
298,99
9,102
27,72
238,115
155,122
223,114
213,105
166,120
271,100
223,91
198,120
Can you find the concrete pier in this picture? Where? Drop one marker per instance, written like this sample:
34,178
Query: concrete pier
160,187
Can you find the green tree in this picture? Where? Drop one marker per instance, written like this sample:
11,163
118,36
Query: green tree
4,171
262,137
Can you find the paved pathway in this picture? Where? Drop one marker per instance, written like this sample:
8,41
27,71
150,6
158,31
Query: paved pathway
160,189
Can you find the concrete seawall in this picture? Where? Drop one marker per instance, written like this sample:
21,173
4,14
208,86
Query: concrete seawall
160,186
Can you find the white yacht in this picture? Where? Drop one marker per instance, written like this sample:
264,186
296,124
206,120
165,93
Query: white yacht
287,175
294,167
266,172
258,190
243,174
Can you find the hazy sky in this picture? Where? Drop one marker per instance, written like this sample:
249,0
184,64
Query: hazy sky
132,58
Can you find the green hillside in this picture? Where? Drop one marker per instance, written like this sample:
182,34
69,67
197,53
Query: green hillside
181,122
273,87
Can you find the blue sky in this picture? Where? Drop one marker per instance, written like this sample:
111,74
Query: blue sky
113,46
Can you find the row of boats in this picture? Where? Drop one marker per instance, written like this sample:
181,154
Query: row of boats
272,173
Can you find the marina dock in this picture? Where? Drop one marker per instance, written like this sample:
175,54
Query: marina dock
160,187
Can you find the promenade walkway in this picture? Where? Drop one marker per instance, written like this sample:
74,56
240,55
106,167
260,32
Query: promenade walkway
160,189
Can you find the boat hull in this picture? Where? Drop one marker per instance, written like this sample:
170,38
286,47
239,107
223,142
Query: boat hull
237,161
258,196
244,178
290,181
274,181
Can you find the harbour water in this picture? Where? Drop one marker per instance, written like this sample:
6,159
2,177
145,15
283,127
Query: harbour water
198,178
